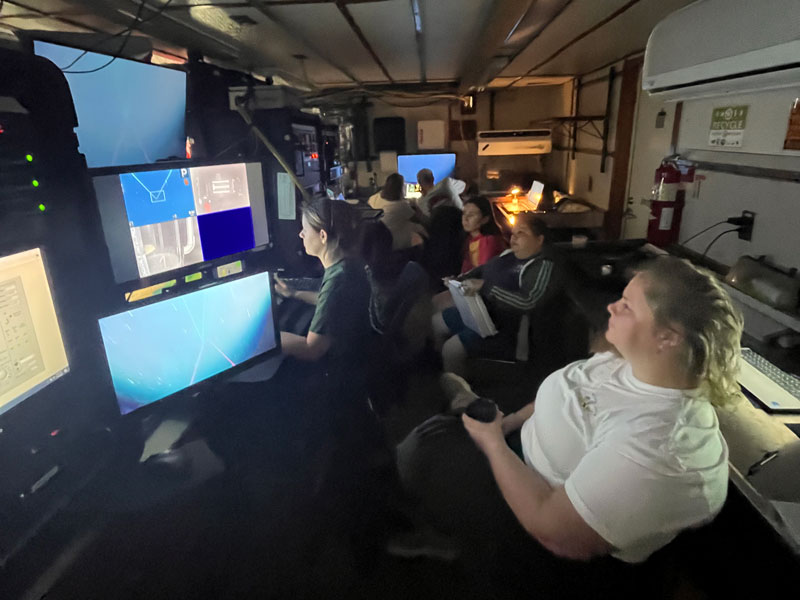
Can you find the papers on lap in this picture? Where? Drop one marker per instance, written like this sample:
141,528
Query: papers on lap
472,310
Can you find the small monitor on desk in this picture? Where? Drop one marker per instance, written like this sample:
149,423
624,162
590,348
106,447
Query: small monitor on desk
32,353
160,349
156,220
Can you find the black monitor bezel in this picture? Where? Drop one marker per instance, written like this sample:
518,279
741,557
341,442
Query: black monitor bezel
227,373
134,284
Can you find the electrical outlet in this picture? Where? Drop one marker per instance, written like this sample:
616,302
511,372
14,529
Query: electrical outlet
746,228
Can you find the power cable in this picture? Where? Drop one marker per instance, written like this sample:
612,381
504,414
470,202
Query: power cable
699,233
716,238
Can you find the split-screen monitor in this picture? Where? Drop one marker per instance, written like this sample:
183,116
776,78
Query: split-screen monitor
32,353
159,349
156,221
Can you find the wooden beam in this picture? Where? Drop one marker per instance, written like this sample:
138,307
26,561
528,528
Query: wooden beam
626,116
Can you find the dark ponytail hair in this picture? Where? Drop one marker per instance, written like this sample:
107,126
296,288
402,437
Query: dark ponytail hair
335,217
483,204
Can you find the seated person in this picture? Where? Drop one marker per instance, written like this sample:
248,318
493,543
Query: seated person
484,240
383,267
340,324
398,215
623,450
445,193
512,285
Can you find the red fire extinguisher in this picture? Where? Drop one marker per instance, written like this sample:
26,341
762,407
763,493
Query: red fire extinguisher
666,203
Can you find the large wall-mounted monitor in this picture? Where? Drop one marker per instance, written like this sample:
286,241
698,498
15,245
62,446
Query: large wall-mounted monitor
159,349
32,353
442,165
159,220
129,113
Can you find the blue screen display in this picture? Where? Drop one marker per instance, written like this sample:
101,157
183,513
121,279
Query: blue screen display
128,112
159,349
442,165
157,196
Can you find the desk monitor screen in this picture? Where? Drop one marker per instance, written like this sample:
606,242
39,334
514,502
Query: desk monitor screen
159,349
408,165
156,221
129,113
32,352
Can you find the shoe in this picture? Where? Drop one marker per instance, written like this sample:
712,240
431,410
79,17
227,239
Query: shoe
457,391
423,544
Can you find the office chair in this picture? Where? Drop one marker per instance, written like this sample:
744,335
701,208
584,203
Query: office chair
406,323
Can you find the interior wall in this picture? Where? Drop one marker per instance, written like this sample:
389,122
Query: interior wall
716,196
513,109
652,137
585,178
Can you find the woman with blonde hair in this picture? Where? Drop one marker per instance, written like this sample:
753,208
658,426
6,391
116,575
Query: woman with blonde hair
623,450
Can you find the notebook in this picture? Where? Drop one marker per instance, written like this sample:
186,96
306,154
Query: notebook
472,310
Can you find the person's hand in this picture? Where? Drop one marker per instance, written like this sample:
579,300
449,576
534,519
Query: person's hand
282,289
471,286
446,280
510,424
487,436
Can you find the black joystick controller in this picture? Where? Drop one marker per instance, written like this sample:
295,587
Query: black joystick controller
482,409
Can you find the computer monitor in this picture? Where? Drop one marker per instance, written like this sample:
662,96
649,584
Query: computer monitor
408,165
32,353
129,113
159,349
158,220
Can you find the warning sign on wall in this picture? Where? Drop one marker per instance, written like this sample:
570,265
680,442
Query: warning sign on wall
792,141
727,126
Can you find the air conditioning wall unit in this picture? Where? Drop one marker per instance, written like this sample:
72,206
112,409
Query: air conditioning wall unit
510,142
718,47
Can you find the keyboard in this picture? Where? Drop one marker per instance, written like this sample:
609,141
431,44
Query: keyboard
776,389
303,284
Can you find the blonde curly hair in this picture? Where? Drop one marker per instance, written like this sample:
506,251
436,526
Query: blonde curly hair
692,298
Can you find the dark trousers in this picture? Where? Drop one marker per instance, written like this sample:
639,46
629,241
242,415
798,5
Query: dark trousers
453,489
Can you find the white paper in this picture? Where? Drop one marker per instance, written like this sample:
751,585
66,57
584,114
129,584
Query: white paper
286,207
472,310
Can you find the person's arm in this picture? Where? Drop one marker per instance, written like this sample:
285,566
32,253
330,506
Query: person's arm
546,513
310,348
306,296
515,420
535,285
476,273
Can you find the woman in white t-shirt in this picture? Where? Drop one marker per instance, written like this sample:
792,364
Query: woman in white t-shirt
623,450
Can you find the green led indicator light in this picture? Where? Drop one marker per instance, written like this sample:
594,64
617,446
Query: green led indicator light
41,207
29,157
35,183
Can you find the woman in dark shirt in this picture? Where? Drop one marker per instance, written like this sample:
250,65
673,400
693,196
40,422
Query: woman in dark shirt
512,285
340,326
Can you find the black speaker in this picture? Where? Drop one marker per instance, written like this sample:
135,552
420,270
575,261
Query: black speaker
389,134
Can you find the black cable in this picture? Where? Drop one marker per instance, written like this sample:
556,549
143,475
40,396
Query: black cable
127,32
690,238
716,238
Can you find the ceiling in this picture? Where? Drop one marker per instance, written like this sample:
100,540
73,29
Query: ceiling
315,44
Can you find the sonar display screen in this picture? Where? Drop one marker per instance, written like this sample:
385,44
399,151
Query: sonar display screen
159,349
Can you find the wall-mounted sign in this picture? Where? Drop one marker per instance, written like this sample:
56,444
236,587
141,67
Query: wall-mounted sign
792,141
727,126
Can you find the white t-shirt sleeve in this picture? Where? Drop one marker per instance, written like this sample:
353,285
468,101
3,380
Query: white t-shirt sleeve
634,507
